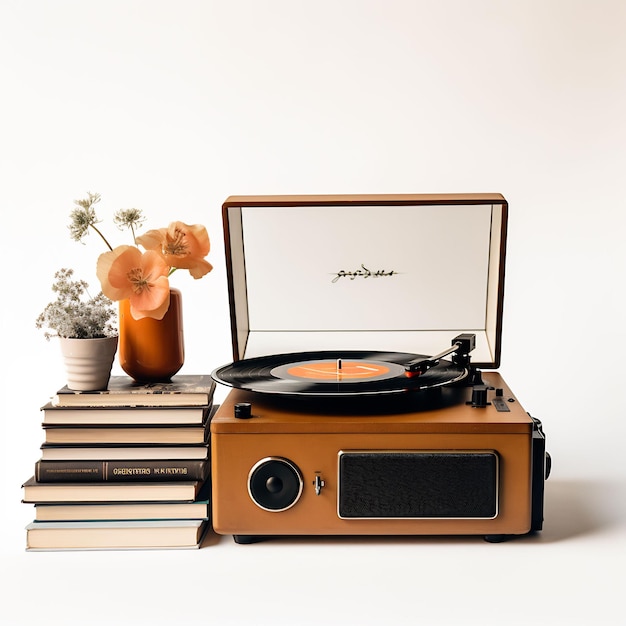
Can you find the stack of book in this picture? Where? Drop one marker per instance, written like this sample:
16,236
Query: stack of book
123,468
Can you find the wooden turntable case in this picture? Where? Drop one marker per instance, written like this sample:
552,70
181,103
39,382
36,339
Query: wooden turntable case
314,436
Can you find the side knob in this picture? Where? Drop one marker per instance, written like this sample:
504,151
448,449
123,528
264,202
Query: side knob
243,410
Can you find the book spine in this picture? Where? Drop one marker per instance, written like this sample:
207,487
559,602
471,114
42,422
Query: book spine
153,470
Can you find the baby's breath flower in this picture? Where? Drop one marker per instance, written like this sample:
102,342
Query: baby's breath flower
129,218
83,217
75,313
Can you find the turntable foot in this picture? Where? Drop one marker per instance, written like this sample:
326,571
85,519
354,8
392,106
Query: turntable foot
497,538
247,539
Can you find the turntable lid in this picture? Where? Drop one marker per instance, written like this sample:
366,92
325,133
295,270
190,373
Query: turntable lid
370,272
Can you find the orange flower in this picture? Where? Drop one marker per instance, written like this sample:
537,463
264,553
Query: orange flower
125,272
182,245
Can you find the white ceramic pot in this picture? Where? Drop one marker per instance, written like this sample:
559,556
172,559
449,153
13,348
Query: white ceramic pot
88,362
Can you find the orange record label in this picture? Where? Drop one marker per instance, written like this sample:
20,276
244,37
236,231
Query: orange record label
338,370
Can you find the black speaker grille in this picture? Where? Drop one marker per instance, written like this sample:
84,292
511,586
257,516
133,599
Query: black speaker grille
418,485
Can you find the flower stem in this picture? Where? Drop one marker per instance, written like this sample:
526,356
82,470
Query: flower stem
103,237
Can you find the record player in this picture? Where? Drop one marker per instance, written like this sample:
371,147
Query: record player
366,332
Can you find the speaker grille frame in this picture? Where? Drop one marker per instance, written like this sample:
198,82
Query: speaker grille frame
457,484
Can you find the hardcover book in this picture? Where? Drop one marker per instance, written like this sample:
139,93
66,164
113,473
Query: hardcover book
141,491
77,512
182,390
120,434
96,452
119,471
59,415
111,535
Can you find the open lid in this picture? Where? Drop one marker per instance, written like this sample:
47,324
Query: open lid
404,273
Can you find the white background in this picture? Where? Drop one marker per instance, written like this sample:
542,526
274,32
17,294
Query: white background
172,106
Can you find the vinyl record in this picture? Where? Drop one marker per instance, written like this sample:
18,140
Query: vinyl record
335,373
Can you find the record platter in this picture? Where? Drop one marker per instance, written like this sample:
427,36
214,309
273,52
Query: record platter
313,439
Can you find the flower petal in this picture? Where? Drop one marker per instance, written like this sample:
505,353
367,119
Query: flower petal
153,265
200,268
112,270
184,246
152,240
153,302
127,273
198,238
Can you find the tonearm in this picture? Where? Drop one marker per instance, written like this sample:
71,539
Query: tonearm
461,346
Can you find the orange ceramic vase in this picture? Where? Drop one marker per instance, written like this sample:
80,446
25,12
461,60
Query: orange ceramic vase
152,350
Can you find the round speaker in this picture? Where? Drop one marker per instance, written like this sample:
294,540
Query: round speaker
275,484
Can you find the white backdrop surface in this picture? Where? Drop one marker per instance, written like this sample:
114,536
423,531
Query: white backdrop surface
173,106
